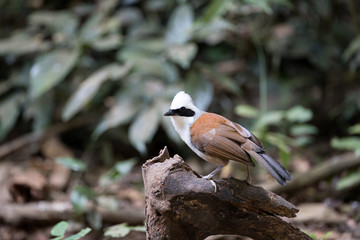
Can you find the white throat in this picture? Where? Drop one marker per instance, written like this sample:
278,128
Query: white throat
182,125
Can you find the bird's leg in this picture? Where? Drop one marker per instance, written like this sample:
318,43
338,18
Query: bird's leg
248,178
210,175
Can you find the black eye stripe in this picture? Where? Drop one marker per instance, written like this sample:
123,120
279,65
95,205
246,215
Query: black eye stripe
185,112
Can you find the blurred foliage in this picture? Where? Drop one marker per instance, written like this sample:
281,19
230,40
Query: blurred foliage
81,196
121,230
313,236
71,163
123,61
58,232
291,127
288,70
348,182
117,172
351,143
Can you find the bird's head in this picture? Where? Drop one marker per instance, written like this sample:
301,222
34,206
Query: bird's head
182,106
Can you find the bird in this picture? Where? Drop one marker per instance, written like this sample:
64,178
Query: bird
218,140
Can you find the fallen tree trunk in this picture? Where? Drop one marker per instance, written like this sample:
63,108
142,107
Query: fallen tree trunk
44,211
182,205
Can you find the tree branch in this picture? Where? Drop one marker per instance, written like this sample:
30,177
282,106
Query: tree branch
35,137
44,211
182,205
321,171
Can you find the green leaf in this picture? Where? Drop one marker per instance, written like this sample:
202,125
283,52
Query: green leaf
9,113
59,229
60,22
121,230
269,118
348,181
180,25
213,32
124,167
72,163
280,141
200,89
353,47
117,172
311,235
144,127
50,69
346,143
355,129
111,42
326,235
302,141
122,112
182,54
22,44
92,28
213,10
79,235
149,64
246,111
303,129
90,86
299,114
80,197
116,231
220,79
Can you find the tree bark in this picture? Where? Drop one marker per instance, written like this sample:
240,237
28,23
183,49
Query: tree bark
181,205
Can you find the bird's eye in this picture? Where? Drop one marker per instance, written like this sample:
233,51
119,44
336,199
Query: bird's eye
183,108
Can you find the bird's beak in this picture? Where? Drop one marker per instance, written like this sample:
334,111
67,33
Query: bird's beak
170,113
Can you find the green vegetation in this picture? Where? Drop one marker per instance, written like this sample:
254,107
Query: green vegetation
58,232
287,70
291,127
124,62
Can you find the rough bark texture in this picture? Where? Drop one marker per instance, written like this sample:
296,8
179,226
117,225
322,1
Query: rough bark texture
182,205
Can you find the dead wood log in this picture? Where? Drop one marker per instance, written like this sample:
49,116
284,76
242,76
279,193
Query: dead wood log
44,211
181,205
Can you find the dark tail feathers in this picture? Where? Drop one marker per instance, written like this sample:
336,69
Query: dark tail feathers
272,166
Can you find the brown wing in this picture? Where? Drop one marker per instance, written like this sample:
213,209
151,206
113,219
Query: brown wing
221,138
225,148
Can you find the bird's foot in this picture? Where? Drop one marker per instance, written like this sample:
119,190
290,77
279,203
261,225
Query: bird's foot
211,181
210,175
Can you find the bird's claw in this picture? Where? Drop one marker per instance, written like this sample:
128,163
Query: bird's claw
211,181
214,184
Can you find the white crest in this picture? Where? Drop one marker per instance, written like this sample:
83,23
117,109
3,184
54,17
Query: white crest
182,99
